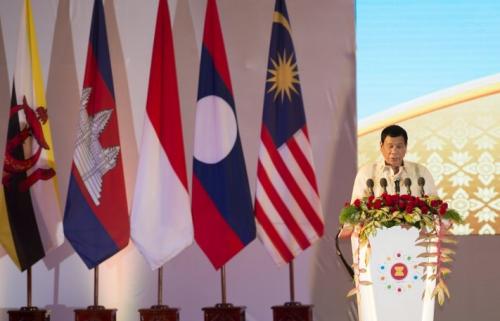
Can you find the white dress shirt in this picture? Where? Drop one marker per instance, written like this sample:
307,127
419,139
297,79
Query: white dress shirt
379,170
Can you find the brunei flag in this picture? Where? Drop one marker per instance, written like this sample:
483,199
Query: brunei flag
30,212
96,215
221,203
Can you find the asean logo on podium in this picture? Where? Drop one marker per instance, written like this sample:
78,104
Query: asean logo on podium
399,272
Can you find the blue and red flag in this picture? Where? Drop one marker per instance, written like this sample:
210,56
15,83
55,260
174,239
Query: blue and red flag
96,221
287,204
221,201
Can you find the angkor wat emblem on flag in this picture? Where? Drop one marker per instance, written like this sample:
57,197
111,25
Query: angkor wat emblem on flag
91,159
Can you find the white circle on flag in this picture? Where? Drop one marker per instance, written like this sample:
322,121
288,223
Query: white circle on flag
215,129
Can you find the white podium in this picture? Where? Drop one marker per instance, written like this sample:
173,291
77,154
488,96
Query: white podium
397,288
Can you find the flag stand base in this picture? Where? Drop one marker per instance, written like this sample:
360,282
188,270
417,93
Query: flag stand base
224,312
95,313
28,314
292,311
159,312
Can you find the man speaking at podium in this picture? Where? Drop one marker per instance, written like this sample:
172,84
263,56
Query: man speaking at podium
393,174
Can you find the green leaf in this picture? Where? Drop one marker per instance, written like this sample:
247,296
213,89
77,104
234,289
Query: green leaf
449,239
428,254
453,216
352,292
348,214
447,251
426,243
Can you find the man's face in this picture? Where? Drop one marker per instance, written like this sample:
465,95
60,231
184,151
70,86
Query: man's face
393,149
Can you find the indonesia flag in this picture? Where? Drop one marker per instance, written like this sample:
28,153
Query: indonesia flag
96,219
161,215
221,201
287,204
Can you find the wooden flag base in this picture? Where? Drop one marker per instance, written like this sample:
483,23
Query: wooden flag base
28,314
95,313
292,311
159,313
224,312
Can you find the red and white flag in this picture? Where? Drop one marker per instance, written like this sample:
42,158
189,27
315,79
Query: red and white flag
161,220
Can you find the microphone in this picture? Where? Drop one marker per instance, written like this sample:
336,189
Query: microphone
370,184
397,187
421,183
407,183
383,184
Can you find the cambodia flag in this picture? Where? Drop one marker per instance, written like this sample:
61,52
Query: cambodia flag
96,219
221,202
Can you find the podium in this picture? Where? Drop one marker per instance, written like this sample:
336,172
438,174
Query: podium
390,263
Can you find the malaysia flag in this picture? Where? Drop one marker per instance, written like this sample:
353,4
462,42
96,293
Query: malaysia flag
221,201
96,221
287,205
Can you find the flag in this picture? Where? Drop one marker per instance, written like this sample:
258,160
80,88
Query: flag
96,219
287,205
161,224
30,210
221,202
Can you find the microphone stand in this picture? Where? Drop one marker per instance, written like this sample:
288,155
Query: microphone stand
347,266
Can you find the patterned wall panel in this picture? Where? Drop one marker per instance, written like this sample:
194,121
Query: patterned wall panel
456,134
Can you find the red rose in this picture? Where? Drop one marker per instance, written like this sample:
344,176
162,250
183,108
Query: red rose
424,209
402,204
405,197
443,208
388,200
347,204
409,209
378,204
436,203
357,203
371,198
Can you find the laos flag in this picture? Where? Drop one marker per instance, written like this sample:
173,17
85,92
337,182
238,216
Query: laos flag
96,219
221,202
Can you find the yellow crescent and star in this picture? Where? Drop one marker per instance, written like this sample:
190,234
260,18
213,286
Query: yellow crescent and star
283,74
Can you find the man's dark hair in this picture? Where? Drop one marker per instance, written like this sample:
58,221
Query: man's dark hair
394,131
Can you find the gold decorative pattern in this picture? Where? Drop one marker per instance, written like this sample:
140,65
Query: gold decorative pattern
460,145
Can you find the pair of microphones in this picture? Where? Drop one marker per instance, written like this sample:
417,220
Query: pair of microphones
397,188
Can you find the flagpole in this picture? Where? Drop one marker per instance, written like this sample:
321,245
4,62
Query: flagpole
292,282
160,287
223,284
96,286
28,276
